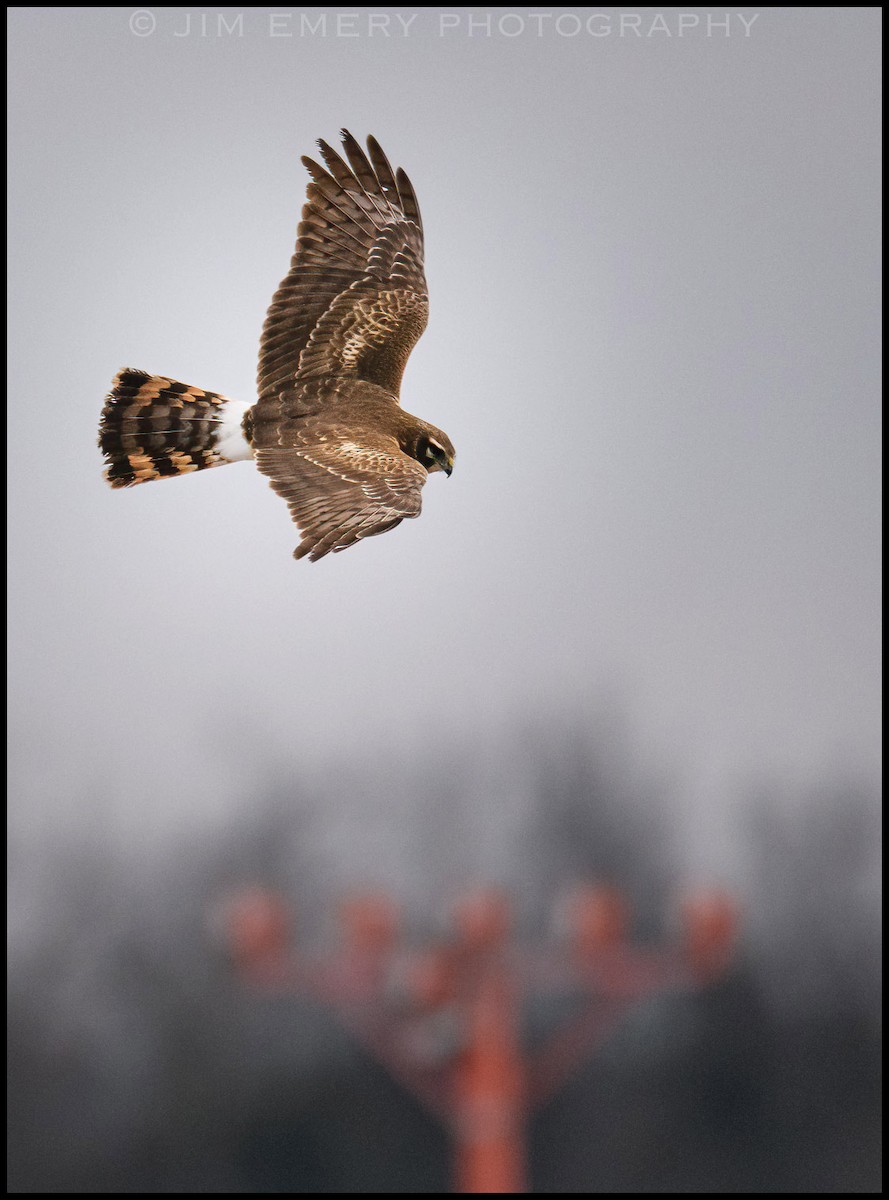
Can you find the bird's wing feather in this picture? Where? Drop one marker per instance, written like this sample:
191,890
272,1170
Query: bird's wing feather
354,302
343,488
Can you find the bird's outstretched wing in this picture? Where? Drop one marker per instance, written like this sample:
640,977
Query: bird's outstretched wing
334,347
354,302
343,488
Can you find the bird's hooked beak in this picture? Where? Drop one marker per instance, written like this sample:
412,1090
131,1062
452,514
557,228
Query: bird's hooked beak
448,467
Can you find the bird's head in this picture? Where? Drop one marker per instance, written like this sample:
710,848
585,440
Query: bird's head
434,450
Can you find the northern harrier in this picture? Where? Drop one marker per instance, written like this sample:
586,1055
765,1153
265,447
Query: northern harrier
327,429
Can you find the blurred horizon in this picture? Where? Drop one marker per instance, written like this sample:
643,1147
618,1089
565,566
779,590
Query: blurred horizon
128,1016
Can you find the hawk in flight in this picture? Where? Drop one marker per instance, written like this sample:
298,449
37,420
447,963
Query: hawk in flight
327,429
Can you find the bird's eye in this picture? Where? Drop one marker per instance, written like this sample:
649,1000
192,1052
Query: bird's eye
431,452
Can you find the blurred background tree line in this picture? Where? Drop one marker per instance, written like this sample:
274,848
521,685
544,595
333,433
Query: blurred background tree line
139,1061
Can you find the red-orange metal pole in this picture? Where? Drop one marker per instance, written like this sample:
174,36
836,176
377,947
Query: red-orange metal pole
490,1093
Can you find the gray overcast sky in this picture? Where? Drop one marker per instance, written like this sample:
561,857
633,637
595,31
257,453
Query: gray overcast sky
654,342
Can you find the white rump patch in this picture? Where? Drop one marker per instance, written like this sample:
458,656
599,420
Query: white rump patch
230,441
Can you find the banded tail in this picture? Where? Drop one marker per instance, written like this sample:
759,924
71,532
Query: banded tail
153,427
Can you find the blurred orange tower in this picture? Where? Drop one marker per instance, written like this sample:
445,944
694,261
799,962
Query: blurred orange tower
445,1020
